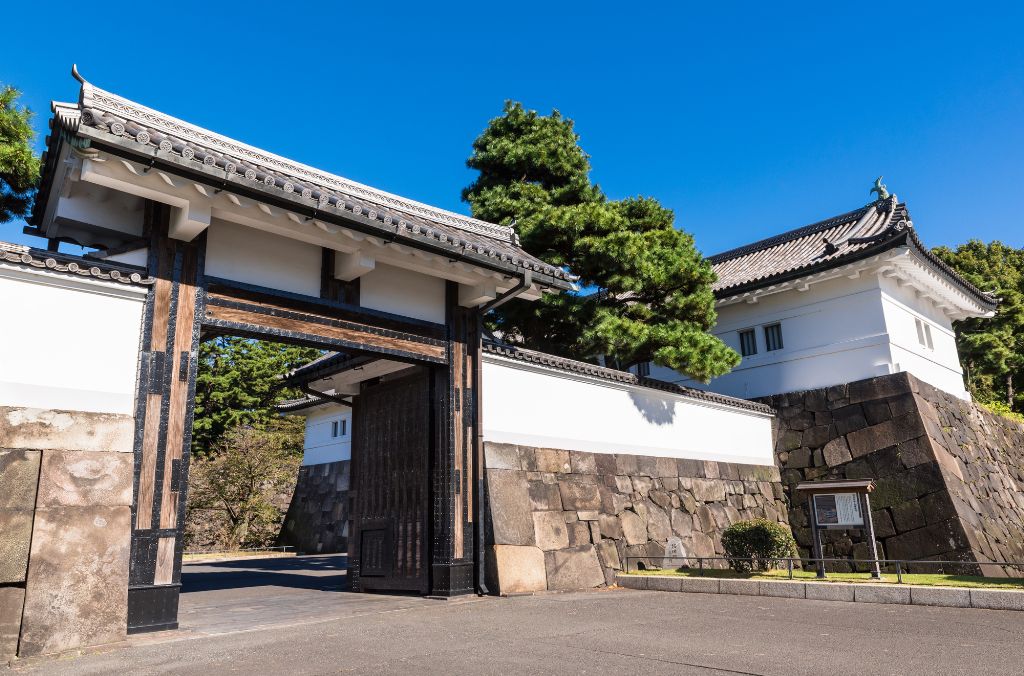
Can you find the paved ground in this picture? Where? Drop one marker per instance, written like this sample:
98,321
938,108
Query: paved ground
307,626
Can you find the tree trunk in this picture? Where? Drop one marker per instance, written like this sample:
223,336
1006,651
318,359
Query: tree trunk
1009,390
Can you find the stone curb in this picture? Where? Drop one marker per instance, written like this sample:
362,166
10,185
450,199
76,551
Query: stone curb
912,595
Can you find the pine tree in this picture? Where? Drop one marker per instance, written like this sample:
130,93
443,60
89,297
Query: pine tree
646,289
238,385
19,165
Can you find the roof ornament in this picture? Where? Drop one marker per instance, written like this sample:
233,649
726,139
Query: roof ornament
883,192
75,74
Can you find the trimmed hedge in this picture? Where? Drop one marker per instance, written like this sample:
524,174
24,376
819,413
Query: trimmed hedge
756,544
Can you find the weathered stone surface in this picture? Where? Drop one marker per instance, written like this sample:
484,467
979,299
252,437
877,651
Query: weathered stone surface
739,587
949,597
518,570
579,533
836,452
85,479
828,591
708,490
699,585
15,539
997,599
634,529
666,583
77,588
511,512
501,456
545,496
908,516
549,460
19,475
579,496
41,429
783,589
608,554
11,601
658,526
576,568
583,463
317,518
610,526
550,530
881,593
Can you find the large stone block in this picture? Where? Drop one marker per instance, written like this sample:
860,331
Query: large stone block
549,460
634,528
608,554
15,539
658,525
550,530
545,496
19,475
582,462
12,600
517,570
77,588
576,568
42,429
501,456
708,490
579,496
510,507
85,479
611,526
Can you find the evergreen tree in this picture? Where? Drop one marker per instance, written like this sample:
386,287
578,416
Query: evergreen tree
238,385
647,294
19,165
992,350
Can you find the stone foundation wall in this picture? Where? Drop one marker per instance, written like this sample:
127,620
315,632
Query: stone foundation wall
65,529
318,516
948,473
563,520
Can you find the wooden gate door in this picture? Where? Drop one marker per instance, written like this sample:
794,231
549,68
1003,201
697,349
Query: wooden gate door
391,441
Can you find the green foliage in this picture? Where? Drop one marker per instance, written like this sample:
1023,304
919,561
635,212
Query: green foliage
238,384
19,165
238,496
992,350
757,544
654,301
1001,409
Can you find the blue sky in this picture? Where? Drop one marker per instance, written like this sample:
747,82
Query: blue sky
746,119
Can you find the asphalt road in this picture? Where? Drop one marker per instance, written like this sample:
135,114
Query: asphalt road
253,618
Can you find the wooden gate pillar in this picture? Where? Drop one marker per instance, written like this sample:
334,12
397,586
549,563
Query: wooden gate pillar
163,430
452,551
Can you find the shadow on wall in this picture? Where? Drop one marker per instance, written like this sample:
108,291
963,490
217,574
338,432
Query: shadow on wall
655,409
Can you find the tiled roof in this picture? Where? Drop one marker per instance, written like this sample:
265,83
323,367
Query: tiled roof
625,377
879,226
156,135
71,265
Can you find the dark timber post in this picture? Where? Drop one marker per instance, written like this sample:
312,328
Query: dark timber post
167,380
452,557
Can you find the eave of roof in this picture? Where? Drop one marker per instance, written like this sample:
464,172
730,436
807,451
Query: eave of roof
625,377
124,127
72,265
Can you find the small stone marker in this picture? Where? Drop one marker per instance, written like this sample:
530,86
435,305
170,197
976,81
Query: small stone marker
674,554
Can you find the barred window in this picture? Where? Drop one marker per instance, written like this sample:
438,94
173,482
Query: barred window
748,342
773,337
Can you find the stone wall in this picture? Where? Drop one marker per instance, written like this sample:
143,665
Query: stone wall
65,519
318,516
948,473
563,520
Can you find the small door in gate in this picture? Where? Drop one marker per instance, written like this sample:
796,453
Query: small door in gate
391,441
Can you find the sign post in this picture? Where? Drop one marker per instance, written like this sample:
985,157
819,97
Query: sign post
841,504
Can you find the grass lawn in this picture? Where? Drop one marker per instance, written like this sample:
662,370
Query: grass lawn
213,556
926,579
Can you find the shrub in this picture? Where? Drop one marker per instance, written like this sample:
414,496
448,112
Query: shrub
755,544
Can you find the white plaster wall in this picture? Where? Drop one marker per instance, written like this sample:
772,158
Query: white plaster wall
403,292
835,332
939,365
68,343
320,446
524,404
139,257
253,256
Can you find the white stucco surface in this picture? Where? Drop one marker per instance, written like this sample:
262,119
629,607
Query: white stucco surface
836,331
252,256
536,406
68,343
321,446
403,292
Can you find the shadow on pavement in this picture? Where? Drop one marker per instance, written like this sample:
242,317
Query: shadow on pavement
321,573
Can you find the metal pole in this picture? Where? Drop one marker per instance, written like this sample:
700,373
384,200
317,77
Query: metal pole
877,572
818,551
789,563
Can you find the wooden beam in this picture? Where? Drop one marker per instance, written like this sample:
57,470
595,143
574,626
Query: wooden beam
350,266
477,294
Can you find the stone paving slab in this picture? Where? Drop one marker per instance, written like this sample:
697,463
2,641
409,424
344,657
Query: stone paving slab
916,595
